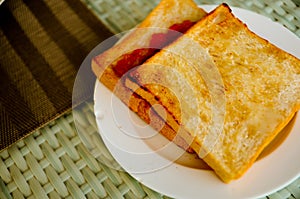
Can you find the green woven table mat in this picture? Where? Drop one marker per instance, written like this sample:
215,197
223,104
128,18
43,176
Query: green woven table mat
54,162
124,15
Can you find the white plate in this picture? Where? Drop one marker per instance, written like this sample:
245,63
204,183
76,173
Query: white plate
182,178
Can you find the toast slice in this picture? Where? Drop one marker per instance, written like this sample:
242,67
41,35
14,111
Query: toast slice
139,44
156,31
258,93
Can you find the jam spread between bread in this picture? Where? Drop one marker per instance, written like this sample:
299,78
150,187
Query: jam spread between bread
157,41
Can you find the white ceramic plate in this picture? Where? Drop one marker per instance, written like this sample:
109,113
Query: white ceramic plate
130,142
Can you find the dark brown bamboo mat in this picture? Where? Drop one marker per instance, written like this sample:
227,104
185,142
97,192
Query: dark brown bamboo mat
42,45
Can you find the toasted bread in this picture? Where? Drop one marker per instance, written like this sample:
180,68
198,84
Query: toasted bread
260,85
178,15
142,43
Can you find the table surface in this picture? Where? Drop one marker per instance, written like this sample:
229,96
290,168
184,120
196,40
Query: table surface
55,162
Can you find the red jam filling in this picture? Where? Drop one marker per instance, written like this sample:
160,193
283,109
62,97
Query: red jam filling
158,41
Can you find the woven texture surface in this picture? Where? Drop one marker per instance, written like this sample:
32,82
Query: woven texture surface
124,15
41,50
119,15
55,162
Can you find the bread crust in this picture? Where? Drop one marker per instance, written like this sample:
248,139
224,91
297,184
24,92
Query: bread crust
216,33
165,15
260,83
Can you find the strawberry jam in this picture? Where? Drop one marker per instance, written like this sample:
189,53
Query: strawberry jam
157,41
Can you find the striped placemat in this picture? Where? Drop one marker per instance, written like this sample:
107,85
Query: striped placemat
42,46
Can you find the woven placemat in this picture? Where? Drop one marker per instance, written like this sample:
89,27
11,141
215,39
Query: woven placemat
42,47
55,162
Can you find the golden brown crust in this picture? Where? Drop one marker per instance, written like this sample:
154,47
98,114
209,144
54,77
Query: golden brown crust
217,33
261,88
166,14
145,111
